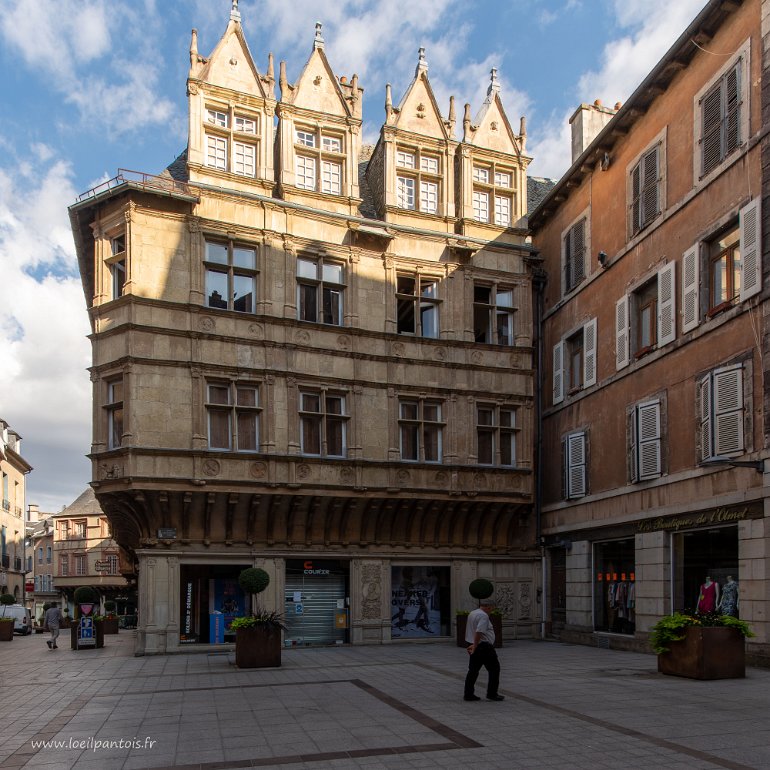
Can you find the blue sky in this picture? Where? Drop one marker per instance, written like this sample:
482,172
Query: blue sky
90,86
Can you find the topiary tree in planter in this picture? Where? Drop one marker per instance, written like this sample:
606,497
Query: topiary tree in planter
481,588
110,620
85,595
257,636
6,623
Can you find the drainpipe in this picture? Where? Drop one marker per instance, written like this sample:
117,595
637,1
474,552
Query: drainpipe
539,281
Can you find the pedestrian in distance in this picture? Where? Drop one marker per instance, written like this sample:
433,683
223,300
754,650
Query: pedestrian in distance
53,620
481,647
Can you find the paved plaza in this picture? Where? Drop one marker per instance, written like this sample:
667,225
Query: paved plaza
395,706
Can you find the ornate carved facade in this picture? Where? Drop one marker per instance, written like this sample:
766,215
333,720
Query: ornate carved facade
295,365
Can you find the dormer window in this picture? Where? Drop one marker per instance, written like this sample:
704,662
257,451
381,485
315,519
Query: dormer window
417,171
493,195
231,142
319,160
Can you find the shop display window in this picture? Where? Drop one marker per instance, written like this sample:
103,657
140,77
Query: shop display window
420,602
615,587
705,562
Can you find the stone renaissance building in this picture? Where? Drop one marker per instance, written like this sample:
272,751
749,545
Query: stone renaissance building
317,358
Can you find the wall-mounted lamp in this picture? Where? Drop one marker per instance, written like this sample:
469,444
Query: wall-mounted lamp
605,161
603,258
757,465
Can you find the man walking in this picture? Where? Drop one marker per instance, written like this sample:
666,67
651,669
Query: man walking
481,647
53,619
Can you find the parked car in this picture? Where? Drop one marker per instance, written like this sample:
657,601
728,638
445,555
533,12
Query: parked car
22,618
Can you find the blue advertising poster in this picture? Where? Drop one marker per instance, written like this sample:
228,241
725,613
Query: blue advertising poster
415,608
227,597
86,633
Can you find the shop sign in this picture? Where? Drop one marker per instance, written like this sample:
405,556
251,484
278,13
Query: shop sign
309,568
102,566
697,519
187,630
29,586
167,534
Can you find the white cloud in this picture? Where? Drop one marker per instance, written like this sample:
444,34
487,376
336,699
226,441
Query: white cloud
66,38
653,26
45,388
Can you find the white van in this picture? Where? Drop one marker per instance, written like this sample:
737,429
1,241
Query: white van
22,618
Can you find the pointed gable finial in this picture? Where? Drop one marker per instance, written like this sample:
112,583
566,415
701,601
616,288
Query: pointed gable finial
319,41
494,85
235,14
422,62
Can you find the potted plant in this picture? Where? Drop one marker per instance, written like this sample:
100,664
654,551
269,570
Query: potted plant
110,621
257,636
6,623
706,646
86,595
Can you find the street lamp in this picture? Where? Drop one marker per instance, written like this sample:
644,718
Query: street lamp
757,465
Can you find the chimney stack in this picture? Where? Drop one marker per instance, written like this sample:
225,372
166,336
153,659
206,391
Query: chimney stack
587,122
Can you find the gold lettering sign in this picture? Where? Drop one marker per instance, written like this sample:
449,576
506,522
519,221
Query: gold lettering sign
675,523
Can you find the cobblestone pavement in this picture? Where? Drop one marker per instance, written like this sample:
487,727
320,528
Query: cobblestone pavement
394,706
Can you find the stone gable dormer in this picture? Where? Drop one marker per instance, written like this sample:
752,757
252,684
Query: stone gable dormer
491,169
319,135
231,109
411,173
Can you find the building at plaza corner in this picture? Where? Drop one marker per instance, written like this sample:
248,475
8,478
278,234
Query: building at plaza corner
317,358
655,386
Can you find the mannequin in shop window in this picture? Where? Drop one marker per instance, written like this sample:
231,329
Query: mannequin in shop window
708,598
728,604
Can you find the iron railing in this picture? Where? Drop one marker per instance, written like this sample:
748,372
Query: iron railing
150,182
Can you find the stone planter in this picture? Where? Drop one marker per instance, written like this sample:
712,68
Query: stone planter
462,624
257,648
6,630
706,653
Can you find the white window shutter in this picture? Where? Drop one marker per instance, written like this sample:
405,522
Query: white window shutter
576,465
558,372
690,281
706,444
667,304
751,255
589,353
632,446
622,354
648,432
728,410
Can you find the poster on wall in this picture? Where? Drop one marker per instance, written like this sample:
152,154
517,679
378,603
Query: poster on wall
415,602
226,596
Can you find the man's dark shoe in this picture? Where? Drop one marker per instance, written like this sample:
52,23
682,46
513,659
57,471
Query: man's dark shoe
495,697
471,697
49,645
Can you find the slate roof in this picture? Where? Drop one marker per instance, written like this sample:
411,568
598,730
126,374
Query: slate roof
85,505
537,188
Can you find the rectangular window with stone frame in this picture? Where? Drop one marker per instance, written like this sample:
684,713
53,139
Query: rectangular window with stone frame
113,408
323,423
232,414
230,276
418,180
231,140
417,305
320,159
420,430
320,290
493,314
496,435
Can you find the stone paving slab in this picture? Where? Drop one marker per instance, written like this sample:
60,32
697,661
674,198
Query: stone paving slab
395,706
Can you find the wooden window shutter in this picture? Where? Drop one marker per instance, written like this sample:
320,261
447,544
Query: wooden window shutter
636,198
632,447
578,252
732,136
622,354
589,353
706,444
690,280
649,435
728,410
667,304
576,465
711,129
751,259
558,372
650,197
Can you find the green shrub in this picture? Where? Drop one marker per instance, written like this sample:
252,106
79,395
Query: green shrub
481,588
672,628
253,580
7,599
86,595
